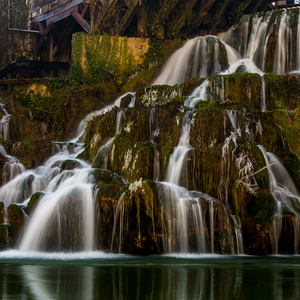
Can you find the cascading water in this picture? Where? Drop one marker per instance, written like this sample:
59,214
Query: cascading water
178,157
4,122
153,136
191,220
285,195
192,60
12,167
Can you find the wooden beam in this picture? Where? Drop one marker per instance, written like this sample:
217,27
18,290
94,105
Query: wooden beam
131,11
188,6
66,13
253,6
57,10
84,24
84,10
107,9
266,4
164,12
42,39
64,37
225,10
204,7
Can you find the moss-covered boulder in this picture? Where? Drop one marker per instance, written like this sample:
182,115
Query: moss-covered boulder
16,221
33,202
133,160
137,212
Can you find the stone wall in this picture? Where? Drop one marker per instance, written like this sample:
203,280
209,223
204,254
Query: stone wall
95,57
14,45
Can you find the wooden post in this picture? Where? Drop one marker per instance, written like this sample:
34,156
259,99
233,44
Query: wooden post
51,52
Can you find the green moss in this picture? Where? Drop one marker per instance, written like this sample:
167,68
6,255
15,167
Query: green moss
97,132
64,103
259,163
33,202
16,221
133,160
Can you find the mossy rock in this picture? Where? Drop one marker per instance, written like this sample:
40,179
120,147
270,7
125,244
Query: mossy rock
133,160
256,226
107,197
68,164
33,202
125,101
1,212
101,176
16,221
30,153
97,132
190,85
155,95
142,219
4,243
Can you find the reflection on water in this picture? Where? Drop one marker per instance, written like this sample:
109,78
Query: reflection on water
152,278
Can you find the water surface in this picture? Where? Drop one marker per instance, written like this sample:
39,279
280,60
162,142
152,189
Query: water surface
108,276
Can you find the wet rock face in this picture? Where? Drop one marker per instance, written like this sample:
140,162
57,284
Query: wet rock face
33,202
224,161
16,219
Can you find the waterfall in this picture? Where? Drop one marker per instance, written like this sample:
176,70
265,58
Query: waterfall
194,60
242,49
178,157
153,135
103,153
119,214
4,122
285,195
12,167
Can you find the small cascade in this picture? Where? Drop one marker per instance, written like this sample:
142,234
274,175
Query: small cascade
195,59
182,212
178,157
212,226
238,234
285,195
4,122
154,131
55,214
118,214
81,127
103,153
198,94
11,168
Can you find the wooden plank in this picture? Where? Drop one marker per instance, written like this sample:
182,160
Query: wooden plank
205,6
131,11
84,24
62,15
187,7
106,12
57,10
43,38
83,12
64,37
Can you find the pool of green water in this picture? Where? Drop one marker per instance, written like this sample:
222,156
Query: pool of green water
105,276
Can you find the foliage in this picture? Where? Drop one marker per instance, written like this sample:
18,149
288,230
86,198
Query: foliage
236,11
96,58
67,102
